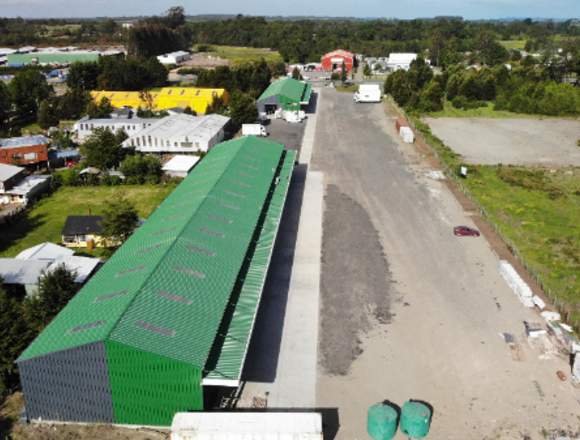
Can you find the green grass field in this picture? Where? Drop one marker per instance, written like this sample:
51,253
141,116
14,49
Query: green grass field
240,55
482,112
44,221
537,211
513,44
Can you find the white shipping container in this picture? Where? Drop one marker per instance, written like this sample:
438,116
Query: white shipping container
246,425
368,93
407,135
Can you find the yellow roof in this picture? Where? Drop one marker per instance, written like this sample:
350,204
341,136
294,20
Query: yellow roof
164,98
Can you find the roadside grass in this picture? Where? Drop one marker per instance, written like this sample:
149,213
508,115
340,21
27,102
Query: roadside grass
513,44
45,220
351,88
537,210
481,112
240,55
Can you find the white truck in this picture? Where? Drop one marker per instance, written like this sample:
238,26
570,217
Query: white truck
254,130
368,93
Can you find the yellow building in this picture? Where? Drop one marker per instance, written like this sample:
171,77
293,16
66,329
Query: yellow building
198,99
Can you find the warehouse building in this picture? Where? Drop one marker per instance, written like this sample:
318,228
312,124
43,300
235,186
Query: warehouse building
170,315
85,126
180,134
400,61
197,99
285,94
177,57
24,150
51,58
334,61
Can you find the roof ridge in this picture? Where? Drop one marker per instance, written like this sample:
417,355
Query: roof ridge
152,271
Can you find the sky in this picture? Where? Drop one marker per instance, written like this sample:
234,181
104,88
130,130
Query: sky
469,9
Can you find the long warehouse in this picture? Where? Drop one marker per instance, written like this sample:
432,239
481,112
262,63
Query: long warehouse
172,312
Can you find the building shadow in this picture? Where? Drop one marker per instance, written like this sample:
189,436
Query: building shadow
264,350
17,227
313,104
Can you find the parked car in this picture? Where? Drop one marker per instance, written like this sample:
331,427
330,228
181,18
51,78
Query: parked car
465,231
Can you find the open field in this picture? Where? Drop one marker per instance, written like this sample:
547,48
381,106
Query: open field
487,111
44,221
239,55
538,211
513,44
547,142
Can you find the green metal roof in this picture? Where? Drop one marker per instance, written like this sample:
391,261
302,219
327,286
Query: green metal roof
237,339
293,90
166,290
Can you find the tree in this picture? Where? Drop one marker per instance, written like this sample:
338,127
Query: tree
175,17
367,70
55,289
103,148
28,89
47,115
5,107
431,97
102,109
343,72
242,109
139,169
83,76
119,220
296,74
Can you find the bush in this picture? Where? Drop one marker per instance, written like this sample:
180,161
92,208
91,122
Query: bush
461,102
140,169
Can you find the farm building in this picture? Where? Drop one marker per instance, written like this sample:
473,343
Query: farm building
174,57
180,165
180,134
25,150
400,61
285,94
170,315
197,99
333,61
85,126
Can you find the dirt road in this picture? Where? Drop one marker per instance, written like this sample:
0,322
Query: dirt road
388,247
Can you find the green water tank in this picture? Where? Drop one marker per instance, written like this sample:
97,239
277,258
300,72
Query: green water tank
382,421
415,419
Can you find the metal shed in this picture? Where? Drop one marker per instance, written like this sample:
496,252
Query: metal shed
173,309
287,94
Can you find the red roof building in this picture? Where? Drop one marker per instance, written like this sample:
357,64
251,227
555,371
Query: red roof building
25,150
334,60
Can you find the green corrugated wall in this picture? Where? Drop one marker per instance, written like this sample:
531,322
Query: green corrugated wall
148,389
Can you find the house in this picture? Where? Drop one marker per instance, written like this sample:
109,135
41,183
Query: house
85,126
84,231
196,98
180,134
400,61
180,165
334,60
29,265
285,94
24,150
17,188
9,176
177,57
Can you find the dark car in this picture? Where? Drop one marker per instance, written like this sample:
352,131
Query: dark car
465,231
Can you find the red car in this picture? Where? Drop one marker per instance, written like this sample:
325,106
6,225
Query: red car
465,231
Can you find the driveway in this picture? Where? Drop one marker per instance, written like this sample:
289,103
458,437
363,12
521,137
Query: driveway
410,311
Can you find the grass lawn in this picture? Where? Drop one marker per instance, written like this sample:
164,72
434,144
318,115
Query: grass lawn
538,211
351,88
481,112
239,55
44,221
513,44
31,129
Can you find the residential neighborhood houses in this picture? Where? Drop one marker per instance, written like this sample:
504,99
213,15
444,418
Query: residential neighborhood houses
330,242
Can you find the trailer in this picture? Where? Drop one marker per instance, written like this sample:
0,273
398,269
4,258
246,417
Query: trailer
254,130
368,93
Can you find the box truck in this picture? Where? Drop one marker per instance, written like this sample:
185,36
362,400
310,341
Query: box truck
254,130
368,93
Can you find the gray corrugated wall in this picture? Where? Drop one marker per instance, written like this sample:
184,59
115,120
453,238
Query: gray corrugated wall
262,104
71,385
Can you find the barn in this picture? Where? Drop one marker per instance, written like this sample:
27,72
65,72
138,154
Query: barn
168,318
334,60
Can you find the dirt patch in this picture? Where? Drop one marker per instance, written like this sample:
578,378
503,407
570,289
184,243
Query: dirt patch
353,279
82,432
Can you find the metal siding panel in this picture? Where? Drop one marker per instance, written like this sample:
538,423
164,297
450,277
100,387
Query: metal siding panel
70,385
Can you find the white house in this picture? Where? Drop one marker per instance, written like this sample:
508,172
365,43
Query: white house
174,57
180,165
180,134
85,126
400,61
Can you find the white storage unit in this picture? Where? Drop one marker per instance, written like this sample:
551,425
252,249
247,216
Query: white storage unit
400,61
246,426
180,165
180,134
174,57
368,93
407,135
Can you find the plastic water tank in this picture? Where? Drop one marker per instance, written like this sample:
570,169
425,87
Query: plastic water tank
382,421
415,419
